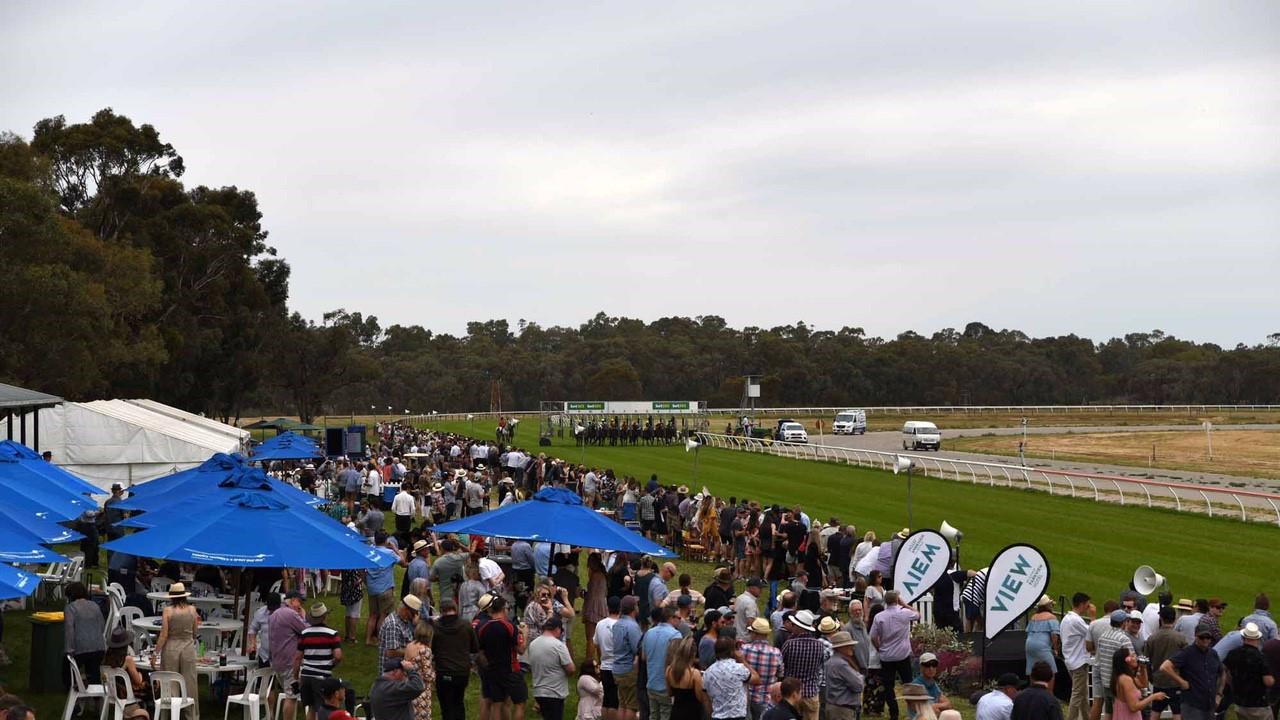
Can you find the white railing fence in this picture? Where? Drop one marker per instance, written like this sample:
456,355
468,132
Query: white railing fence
1250,505
914,410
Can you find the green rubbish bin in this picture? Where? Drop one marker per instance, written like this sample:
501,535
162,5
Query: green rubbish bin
47,655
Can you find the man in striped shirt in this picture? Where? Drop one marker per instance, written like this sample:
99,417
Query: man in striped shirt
319,651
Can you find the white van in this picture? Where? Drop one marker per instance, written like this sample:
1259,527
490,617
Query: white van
921,435
850,422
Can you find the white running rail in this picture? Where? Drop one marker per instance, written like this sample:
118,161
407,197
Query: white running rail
1183,497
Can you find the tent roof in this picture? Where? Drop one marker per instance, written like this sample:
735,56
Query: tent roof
156,422
279,423
12,396
230,431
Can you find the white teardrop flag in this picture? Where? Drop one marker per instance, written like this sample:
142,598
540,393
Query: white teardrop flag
921,561
1017,578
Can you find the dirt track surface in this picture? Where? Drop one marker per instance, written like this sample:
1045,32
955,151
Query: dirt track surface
892,442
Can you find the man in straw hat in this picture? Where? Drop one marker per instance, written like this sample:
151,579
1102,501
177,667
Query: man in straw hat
1250,676
761,656
396,630
802,657
321,650
844,679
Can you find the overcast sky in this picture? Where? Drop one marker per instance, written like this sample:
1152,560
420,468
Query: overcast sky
1085,167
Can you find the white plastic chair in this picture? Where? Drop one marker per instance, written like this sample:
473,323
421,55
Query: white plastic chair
160,584
163,687
285,694
116,592
201,589
256,695
79,691
117,681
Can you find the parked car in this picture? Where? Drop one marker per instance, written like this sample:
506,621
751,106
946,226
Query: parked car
791,431
850,422
921,435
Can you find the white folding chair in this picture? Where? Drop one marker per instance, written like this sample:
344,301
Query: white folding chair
160,584
116,592
117,683
256,695
170,692
79,691
332,583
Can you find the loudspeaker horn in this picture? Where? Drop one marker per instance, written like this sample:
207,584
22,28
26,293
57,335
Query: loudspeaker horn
902,464
950,532
691,444
1146,580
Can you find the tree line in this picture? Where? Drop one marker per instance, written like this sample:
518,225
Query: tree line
123,282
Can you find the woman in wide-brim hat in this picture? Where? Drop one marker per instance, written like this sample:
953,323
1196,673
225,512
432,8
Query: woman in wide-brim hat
177,641
919,704
118,657
1044,636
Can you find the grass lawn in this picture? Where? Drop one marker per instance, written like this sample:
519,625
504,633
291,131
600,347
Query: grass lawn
1254,453
1091,547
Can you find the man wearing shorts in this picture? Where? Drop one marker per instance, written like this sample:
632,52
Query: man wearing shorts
626,648
604,641
381,583
501,645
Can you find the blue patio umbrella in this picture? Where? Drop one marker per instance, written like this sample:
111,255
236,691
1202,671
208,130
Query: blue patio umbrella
20,491
10,450
217,466
42,529
15,583
19,546
217,477
287,446
555,515
253,528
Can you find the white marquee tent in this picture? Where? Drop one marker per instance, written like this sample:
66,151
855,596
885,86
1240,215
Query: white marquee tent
131,441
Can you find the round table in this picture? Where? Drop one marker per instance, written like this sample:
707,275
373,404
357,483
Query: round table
197,600
152,623
207,665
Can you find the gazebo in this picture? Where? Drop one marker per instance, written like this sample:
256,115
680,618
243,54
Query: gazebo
22,402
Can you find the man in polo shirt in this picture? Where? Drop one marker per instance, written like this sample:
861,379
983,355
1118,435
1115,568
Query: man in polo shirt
604,641
653,651
626,647
1261,616
1111,640
998,704
284,629
1163,644
321,650
891,635
1075,633
1198,672
746,607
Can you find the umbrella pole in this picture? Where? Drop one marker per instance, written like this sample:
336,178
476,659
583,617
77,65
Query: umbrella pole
244,633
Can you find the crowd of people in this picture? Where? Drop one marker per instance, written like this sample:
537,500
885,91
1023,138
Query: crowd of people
799,621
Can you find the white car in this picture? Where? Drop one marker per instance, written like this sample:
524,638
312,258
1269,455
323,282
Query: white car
921,435
792,432
850,422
